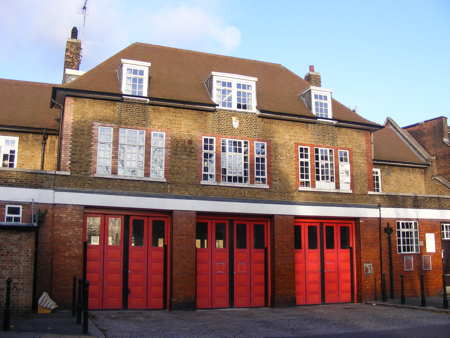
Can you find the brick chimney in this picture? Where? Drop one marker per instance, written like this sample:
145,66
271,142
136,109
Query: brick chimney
313,77
72,57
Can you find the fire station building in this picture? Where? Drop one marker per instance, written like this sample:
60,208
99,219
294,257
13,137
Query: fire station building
208,181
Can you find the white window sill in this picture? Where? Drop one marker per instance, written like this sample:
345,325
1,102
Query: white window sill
237,110
140,99
133,178
324,190
236,185
323,120
35,171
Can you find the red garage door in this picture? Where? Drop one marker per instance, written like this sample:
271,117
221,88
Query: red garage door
236,248
146,252
104,261
143,252
323,261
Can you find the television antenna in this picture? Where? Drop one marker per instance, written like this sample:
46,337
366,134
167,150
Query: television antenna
84,11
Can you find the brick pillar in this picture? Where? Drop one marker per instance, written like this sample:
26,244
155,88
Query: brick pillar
183,260
67,251
283,277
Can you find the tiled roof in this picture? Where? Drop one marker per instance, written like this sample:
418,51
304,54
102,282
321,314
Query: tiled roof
180,75
26,104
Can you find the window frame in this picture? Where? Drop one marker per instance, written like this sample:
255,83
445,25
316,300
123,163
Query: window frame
330,183
138,65
245,160
256,157
340,168
3,139
413,237
127,145
99,142
234,79
14,216
445,231
211,173
304,183
148,145
376,175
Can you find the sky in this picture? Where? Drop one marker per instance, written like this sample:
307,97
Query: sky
382,58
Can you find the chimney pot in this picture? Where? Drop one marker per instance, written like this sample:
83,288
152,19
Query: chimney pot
313,77
311,68
74,33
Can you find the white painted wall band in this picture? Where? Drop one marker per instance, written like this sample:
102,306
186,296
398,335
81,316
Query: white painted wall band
26,195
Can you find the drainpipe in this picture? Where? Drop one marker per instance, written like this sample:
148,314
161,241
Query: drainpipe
380,238
44,144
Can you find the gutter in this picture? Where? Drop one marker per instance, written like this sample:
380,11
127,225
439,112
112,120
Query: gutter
401,164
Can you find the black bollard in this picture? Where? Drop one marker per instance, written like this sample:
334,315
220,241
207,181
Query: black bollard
444,293
7,311
79,299
85,307
383,287
74,296
423,301
402,290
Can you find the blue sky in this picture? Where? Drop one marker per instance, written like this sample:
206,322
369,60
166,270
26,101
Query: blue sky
383,58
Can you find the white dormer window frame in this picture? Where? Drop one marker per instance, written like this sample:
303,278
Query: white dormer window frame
134,74
234,91
319,101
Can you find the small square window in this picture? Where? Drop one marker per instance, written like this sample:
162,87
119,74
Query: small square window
13,214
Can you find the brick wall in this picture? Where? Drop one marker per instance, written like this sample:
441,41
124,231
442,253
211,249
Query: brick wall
30,150
370,286
402,179
183,260
283,274
430,135
17,263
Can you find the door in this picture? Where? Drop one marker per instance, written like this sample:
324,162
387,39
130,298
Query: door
146,253
307,263
104,261
250,264
212,264
323,262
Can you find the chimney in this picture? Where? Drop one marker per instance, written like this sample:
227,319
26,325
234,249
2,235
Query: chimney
72,57
313,77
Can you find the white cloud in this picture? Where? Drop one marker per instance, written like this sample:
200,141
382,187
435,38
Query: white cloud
41,27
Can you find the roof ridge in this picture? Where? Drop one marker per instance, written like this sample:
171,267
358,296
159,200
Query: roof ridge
206,53
28,82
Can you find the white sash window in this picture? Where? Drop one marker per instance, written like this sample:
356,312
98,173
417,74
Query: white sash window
157,154
235,161
209,159
9,146
344,170
104,150
324,162
131,152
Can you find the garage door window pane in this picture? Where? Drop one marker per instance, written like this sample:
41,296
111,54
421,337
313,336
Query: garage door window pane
114,231
93,230
201,237
158,233
241,236
221,236
137,236
258,234
297,238
329,237
312,237
345,237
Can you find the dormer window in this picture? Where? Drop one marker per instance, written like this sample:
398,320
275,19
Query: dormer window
318,99
232,91
134,76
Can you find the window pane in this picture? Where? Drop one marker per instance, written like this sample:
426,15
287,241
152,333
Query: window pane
137,236
345,237
221,236
158,229
297,237
201,235
329,237
241,236
312,237
258,236
114,231
93,230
